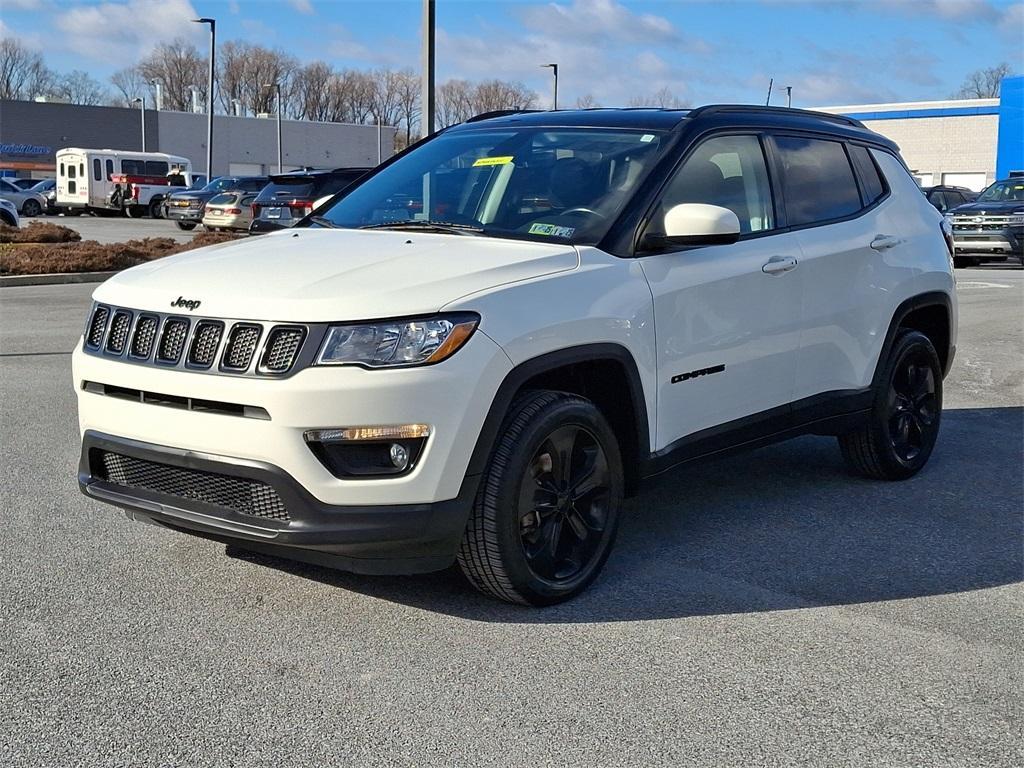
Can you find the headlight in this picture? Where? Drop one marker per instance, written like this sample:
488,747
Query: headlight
420,341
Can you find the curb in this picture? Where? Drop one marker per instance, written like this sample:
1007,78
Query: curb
13,281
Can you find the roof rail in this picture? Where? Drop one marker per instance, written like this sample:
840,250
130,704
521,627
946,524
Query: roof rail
711,109
499,113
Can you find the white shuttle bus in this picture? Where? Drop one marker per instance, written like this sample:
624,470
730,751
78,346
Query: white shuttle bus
84,176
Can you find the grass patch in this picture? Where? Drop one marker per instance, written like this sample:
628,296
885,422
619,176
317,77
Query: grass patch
47,257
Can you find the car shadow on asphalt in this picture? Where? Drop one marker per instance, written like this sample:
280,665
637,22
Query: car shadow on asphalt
779,528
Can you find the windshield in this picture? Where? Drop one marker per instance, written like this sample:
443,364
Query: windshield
1003,192
544,184
225,198
219,185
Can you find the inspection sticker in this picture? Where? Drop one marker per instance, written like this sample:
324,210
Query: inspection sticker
501,160
551,230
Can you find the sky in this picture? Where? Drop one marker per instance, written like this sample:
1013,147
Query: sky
831,52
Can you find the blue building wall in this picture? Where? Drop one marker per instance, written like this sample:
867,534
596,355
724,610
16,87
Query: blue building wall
1010,147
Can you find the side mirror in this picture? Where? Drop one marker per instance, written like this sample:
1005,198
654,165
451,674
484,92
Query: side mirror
697,224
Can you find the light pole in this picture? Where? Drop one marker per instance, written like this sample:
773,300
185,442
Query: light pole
277,88
789,95
141,101
209,95
554,69
427,60
236,107
158,98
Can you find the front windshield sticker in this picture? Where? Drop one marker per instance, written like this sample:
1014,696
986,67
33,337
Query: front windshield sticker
551,230
502,160
647,137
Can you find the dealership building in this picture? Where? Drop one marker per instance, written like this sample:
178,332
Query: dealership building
32,132
965,143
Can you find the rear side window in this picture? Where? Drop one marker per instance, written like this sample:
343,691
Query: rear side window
110,168
818,179
133,167
871,179
156,168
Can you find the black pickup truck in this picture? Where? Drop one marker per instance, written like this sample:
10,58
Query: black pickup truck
992,227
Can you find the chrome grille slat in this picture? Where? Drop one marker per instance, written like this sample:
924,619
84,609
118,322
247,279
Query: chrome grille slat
241,346
144,336
117,338
97,325
205,341
172,340
283,344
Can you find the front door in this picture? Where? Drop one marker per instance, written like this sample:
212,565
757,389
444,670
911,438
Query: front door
727,317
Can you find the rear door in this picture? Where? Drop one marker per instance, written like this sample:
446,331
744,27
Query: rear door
854,260
727,317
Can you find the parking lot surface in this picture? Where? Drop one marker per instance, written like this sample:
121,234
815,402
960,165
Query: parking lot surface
765,609
116,229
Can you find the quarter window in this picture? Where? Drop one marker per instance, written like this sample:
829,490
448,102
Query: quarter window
728,171
818,180
870,179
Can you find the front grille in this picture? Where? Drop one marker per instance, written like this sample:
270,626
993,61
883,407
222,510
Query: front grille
118,337
282,347
205,341
145,335
241,346
172,342
237,494
97,325
206,344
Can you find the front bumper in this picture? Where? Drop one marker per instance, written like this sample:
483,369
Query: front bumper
411,538
992,242
183,214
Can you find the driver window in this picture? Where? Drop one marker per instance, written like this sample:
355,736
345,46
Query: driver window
728,171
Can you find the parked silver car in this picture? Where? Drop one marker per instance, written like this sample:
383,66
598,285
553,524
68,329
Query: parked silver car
8,213
27,202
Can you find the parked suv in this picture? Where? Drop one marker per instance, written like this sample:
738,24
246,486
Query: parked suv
946,197
186,209
992,227
484,345
291,196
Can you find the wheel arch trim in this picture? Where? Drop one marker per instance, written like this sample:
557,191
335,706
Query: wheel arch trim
920,301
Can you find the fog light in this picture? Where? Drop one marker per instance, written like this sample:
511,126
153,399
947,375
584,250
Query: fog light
399,456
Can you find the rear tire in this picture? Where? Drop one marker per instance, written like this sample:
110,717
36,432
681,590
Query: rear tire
548,507
901,430
135,211
186,225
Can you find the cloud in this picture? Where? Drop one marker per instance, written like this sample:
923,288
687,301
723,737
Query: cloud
302,6
23,5
593,20
234,7
126,31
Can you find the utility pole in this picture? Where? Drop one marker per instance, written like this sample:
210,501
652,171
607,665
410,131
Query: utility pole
209,95
141,101
554,68
277,101
789,95
158,87
771,81
427,94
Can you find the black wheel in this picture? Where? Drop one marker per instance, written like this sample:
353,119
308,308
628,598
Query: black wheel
7,219
31,208
186,225
156,209
901,430
135,211
546,514
959,262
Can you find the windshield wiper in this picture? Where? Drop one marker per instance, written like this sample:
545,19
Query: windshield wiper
323,221
436,226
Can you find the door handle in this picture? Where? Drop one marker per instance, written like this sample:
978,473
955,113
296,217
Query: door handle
885,242
778,264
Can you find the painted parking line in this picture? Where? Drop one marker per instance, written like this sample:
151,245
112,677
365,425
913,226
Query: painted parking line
980,284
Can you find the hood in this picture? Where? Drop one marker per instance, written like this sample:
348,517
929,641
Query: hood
1010,206
323,275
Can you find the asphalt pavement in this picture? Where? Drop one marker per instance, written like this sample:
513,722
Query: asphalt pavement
117,229
766,609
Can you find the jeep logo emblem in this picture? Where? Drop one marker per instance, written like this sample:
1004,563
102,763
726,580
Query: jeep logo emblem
189,304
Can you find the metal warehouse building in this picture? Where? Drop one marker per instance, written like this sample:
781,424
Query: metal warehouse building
32,132
967,143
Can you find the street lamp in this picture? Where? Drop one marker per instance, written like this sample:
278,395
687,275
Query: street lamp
209,96
158,88
554,69
277,88
141,101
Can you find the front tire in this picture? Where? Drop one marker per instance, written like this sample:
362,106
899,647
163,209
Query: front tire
548,507
186,225
903,425
31,208
135,211
156,209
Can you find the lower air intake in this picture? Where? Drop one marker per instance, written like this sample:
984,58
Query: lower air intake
237,494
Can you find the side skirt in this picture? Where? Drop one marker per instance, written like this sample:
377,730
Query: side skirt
830,413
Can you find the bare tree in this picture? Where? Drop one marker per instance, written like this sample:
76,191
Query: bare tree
454,102
311,91
353,96
663,99
178,65
407,85
23,74
130,84
77,87
587,101
984,83
493,95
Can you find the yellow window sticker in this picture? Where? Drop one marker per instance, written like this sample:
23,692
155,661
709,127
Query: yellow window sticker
551,230
502,160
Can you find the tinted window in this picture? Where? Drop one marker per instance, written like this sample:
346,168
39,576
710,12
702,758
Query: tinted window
156,168
225,198
818,180
110,168
97,169
6,185
728,171
71,171
253,185
62,169
81,170
133,167
870,178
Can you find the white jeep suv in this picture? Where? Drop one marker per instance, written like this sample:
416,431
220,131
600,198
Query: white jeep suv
477,350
